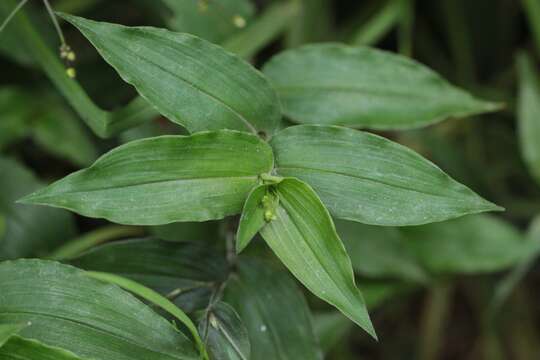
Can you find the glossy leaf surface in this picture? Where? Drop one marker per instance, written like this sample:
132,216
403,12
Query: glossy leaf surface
18,348
189,80
335,84
304,238
91,319
367,178
274,311
165,179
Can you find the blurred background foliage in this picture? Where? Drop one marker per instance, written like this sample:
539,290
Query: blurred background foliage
462,289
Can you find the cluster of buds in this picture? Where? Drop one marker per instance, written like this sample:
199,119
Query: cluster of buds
268,205
69,58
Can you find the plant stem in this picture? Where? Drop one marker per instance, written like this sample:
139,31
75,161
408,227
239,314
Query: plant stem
93,238
433,321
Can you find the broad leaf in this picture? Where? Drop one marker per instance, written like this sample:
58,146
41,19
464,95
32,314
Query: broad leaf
529,115
379,252
225,335
28,230
155,299
91,319
192,82
363,177
274,311
184,272
18,348
258,209
304,238
165,179
472,244
335,84
214,21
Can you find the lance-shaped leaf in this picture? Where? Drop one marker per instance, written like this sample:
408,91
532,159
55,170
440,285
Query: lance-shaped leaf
367,178
335,84
258,209
224,333
92,319
18,348
189,80
529,115
274,311
165,179
185,272
304,238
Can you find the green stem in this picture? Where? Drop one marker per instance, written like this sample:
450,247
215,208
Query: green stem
379,25
532,10
103,123
433,321
405,28
93,238
271,23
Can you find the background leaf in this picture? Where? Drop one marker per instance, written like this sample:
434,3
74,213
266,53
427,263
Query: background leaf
367,178
304,238
28,230
334,84
472,244
529,114
184,272
91,319
274,311
213,21
225,335
165,179
379,252
190,81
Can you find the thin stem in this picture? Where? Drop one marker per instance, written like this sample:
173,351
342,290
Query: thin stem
433,321
12,14
55,22
93,238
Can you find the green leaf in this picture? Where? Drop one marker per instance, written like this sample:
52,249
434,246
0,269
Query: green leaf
60,133
15,115
304,238
8,330
91,319
529,114
274,311
214,21
334,84
18,348
379,252
190,81
469,245
258,209
28,230
184,272
155,298
507,285
225,335
165,179
366,178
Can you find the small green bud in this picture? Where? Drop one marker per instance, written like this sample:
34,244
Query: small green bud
71,72
239,21
269,215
